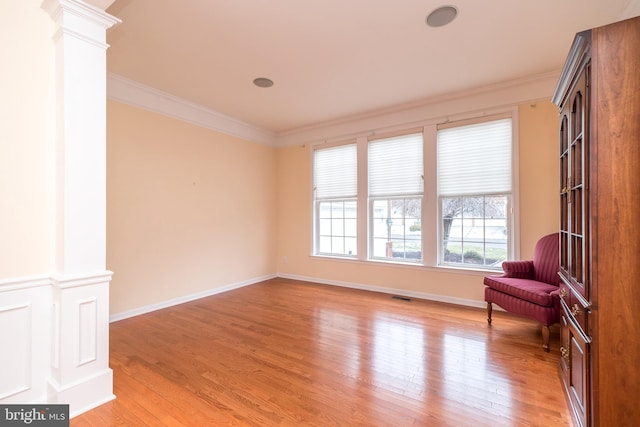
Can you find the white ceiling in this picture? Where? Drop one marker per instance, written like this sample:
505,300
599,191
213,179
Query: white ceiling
333,59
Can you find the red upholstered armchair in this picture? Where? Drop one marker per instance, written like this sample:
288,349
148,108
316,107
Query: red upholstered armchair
529,288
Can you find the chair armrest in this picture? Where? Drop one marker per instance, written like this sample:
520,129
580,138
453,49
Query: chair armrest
556,300
555,293
518,269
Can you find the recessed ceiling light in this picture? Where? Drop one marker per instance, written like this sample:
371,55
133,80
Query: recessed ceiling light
441,16
263,82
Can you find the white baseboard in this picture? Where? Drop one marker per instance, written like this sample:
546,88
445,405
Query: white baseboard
187,298
392,291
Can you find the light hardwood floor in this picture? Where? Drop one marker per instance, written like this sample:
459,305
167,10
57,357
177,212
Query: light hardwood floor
290,353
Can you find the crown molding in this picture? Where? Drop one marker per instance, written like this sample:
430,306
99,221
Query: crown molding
145,97
499,95
431,110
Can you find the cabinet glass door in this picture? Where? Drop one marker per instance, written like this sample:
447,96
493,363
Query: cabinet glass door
573,180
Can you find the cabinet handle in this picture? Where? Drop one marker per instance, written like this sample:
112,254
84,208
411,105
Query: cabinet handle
575,310
564,352
563,293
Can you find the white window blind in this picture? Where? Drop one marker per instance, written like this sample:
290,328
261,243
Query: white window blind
395,166
336,172
475,159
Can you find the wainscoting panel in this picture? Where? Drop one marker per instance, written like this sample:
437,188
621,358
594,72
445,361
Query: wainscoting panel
88,315
15,336
25,335
82,377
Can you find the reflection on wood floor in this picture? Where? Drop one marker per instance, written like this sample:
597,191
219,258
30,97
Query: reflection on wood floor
291,353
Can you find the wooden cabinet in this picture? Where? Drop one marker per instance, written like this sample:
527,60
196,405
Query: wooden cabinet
598,97
574,365
573,100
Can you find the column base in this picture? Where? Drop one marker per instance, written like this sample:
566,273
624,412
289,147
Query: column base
82,395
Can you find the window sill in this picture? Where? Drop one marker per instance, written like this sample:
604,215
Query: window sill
413,265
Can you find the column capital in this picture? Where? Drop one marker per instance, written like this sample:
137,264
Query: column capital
86,19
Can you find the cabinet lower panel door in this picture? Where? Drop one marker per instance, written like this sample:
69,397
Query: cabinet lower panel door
574,367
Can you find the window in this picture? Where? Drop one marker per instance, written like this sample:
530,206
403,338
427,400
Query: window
335,200
438,195
474,193
395,197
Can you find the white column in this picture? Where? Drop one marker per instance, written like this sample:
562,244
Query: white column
80,373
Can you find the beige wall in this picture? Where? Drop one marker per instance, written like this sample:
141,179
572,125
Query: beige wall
539,173
538,216
189,210
27,160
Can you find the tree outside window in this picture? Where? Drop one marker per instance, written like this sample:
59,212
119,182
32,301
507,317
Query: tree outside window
475,230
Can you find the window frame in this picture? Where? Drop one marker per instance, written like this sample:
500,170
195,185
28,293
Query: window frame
513,201
315,238
332,236
372,238
441,248
431,234
419,194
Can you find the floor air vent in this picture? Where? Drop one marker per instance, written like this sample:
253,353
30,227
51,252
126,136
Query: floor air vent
400,297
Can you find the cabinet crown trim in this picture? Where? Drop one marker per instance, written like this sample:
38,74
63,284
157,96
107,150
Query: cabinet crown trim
577,58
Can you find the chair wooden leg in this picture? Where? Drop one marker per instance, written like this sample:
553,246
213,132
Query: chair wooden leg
489,310
545,338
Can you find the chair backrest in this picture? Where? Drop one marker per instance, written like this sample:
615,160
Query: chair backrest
546,259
